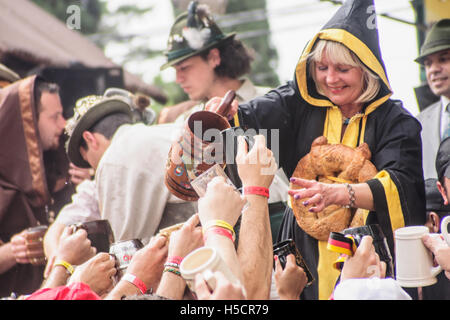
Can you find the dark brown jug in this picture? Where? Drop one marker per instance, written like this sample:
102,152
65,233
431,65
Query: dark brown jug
197,149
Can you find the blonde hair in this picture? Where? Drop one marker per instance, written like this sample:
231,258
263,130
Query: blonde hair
337,53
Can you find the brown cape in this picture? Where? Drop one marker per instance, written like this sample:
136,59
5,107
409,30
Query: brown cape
23,185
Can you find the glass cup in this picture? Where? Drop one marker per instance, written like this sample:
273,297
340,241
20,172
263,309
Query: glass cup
123,252
34,237
201,182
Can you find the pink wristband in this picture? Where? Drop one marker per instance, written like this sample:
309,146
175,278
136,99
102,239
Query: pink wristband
136,281
260,191
220,231
174,259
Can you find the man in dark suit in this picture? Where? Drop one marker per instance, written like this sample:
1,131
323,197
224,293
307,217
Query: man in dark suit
438,193
435,119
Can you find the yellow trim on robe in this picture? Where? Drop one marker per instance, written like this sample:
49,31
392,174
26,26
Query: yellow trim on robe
393,200
236,120
327,275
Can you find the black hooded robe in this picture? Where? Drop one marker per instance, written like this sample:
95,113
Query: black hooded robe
300,115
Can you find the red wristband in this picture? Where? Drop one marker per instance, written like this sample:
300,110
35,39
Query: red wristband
220,231
136,281
260,191
174,259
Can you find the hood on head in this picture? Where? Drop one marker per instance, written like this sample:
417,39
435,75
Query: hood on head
355,26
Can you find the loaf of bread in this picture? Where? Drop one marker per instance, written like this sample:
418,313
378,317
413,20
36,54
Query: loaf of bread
331,163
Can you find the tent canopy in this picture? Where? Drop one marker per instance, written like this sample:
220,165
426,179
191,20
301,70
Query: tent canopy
36,38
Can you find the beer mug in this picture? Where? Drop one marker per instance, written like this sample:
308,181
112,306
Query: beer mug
99,232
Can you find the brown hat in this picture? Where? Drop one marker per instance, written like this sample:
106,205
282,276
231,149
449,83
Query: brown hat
87,112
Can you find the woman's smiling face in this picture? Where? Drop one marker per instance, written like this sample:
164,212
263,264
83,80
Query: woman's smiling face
341,83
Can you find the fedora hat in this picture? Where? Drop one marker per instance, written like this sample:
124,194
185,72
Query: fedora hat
87,112
193,32
437,39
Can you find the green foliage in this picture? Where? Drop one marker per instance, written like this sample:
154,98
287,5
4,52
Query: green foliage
109,31
173,91
266,56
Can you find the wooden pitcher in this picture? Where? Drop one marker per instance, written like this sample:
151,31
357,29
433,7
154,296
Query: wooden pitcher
193,153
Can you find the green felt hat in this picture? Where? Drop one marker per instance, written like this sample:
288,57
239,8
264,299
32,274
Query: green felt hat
87,112
7,74
437,39
192,33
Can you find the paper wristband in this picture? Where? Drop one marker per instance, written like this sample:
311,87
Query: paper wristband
260,191
66,265
220,231
174,259
136,281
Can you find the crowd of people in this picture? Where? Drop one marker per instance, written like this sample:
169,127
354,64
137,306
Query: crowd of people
117,169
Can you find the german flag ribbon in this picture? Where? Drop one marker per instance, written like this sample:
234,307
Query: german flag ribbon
343,244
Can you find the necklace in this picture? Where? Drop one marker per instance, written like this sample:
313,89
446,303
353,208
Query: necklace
345,120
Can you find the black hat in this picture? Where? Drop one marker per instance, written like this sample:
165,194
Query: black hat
443,159
193,32
437,39
434,200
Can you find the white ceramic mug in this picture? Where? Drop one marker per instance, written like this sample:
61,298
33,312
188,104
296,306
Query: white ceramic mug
205,260
413,261
444,229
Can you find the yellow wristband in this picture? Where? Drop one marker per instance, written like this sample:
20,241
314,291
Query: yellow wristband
66,265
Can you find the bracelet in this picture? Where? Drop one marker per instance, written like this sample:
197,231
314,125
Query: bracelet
260,191
66,265
174,259
171,264
220,231
218,223
136,281
351,194
172,270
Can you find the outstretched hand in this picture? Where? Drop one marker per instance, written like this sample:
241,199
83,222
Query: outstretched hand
320,194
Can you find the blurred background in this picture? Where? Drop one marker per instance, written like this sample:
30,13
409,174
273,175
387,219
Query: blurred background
120,43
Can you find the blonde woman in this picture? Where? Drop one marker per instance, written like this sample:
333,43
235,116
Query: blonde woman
341,91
